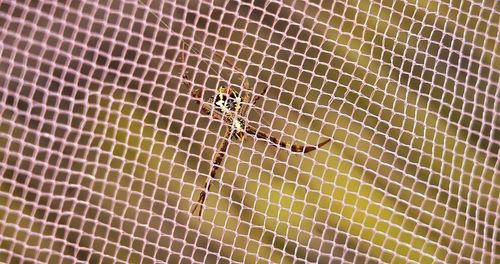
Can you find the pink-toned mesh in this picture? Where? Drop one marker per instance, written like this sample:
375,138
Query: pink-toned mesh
103,151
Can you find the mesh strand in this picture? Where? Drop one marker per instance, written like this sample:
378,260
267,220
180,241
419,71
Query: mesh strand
103,151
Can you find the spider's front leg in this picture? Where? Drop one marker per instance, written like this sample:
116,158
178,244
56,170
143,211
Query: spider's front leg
196,93
260,95
247,96
219,156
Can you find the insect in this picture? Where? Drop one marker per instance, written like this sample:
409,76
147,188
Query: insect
229,106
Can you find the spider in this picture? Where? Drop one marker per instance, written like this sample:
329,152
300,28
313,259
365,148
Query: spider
229,106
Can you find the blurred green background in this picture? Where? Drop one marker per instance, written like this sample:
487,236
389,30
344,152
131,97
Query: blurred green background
104,152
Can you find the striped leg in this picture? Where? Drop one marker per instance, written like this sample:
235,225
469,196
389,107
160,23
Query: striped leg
257,97
219,156
294,148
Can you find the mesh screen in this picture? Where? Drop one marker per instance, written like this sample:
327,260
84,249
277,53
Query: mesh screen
104,150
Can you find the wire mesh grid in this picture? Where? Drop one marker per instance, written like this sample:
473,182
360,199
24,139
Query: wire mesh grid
104,150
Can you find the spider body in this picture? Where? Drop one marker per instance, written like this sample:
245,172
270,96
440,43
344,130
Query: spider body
230,107
227,101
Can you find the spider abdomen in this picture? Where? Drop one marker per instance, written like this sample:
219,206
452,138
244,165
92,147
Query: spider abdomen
238,128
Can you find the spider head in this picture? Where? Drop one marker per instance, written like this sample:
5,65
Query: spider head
226,100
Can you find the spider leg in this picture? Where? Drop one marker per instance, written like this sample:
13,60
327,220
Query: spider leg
247,97
260,95
215,166
183,52
234,66
294,147
308,148
196,93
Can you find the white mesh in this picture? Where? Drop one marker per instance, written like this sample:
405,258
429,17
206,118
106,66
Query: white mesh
104,151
